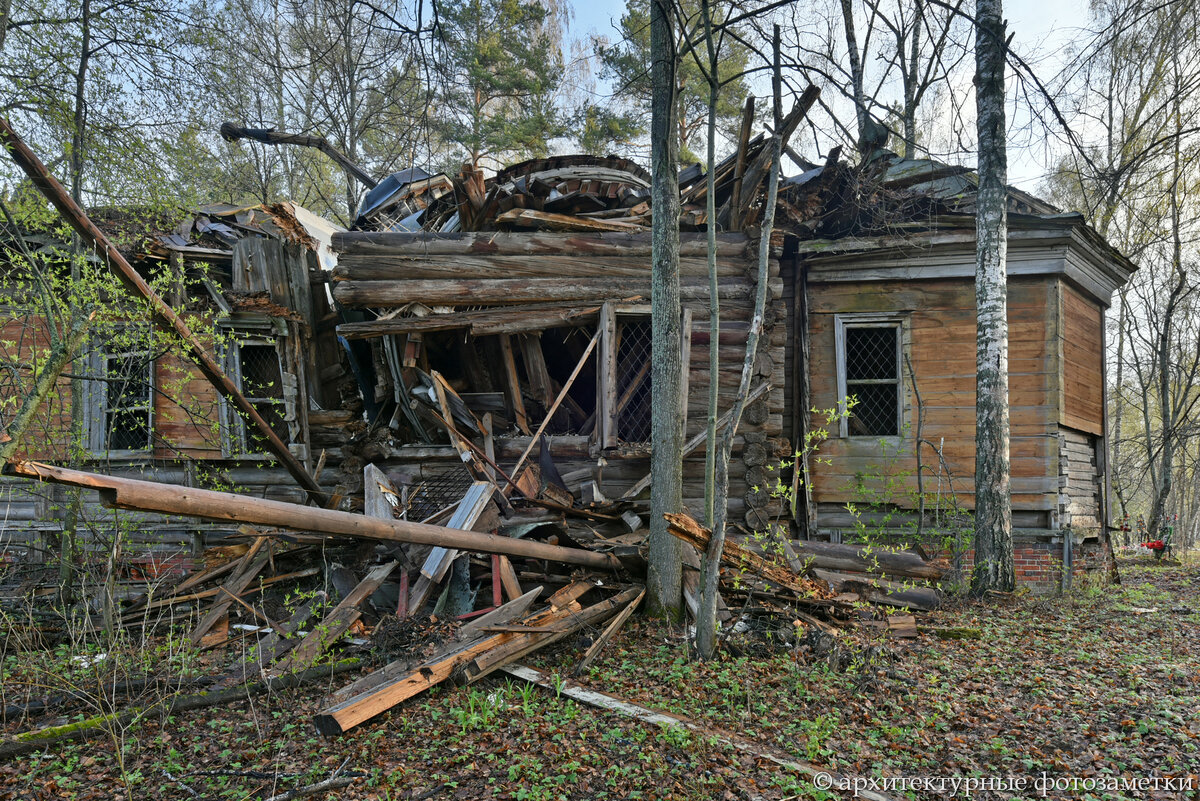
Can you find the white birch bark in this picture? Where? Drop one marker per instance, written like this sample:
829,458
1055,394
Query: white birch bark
993,503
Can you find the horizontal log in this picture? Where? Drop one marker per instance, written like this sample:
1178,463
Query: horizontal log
406,267
730,245
189,502
860,559
506,291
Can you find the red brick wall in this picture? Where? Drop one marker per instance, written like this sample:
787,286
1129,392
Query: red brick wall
1039,564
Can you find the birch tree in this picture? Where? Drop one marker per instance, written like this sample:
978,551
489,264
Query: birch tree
994,569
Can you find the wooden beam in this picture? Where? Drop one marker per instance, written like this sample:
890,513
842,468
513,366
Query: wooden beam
149,496
512,384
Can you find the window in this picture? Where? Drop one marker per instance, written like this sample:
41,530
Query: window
868,365
623,389
254,365
634,338
120,396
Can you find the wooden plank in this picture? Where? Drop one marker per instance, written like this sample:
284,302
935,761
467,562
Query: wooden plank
611,629
393,266
508,578
520,645
491,243
512,384
252,562
335,624
535,368
397,683
438,562
512,291
606,378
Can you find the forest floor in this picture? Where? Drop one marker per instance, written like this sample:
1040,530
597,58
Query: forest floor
1092,686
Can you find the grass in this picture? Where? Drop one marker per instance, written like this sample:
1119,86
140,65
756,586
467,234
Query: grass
1071,687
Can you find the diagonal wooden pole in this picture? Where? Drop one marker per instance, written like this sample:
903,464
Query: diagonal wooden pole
163,314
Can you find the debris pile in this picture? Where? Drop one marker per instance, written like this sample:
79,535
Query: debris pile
476,590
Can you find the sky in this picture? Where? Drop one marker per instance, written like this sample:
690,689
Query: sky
1040,29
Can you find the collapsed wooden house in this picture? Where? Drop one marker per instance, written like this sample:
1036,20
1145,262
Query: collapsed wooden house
499,330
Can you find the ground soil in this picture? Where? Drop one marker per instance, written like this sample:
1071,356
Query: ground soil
1101,684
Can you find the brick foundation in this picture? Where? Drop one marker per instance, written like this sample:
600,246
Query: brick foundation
1038,565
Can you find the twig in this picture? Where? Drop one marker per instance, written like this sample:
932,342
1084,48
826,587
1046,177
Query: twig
313,789
180,782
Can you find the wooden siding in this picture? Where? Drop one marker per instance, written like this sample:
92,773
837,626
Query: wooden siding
1083,363
940,342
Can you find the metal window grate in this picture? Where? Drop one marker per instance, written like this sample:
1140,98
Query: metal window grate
437,491
633,379
128,401
873,378
262,384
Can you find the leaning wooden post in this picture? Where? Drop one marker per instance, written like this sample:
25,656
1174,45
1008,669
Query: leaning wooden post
162,312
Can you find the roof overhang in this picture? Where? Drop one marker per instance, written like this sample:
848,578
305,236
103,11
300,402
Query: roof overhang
1037,245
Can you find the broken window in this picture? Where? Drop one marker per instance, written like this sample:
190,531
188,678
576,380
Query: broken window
254,364
868,363
120,396
632,379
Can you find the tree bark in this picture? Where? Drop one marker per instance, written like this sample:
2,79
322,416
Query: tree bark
856,70
994,568
714,299
664,575
710,570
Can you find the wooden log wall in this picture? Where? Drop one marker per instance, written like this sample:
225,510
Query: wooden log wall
382,270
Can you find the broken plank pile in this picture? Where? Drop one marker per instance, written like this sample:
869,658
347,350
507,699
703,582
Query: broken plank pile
306,585
823,585
560,193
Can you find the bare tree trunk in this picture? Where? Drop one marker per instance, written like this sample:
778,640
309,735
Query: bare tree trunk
66,557
706,619
714,301
663,580
1118,410
856,69
994,568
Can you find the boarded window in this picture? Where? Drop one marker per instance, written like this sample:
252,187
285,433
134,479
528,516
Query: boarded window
869,369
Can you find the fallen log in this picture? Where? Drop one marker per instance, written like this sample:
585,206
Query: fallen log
170,499
52,735
881,591
736,557
866,559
